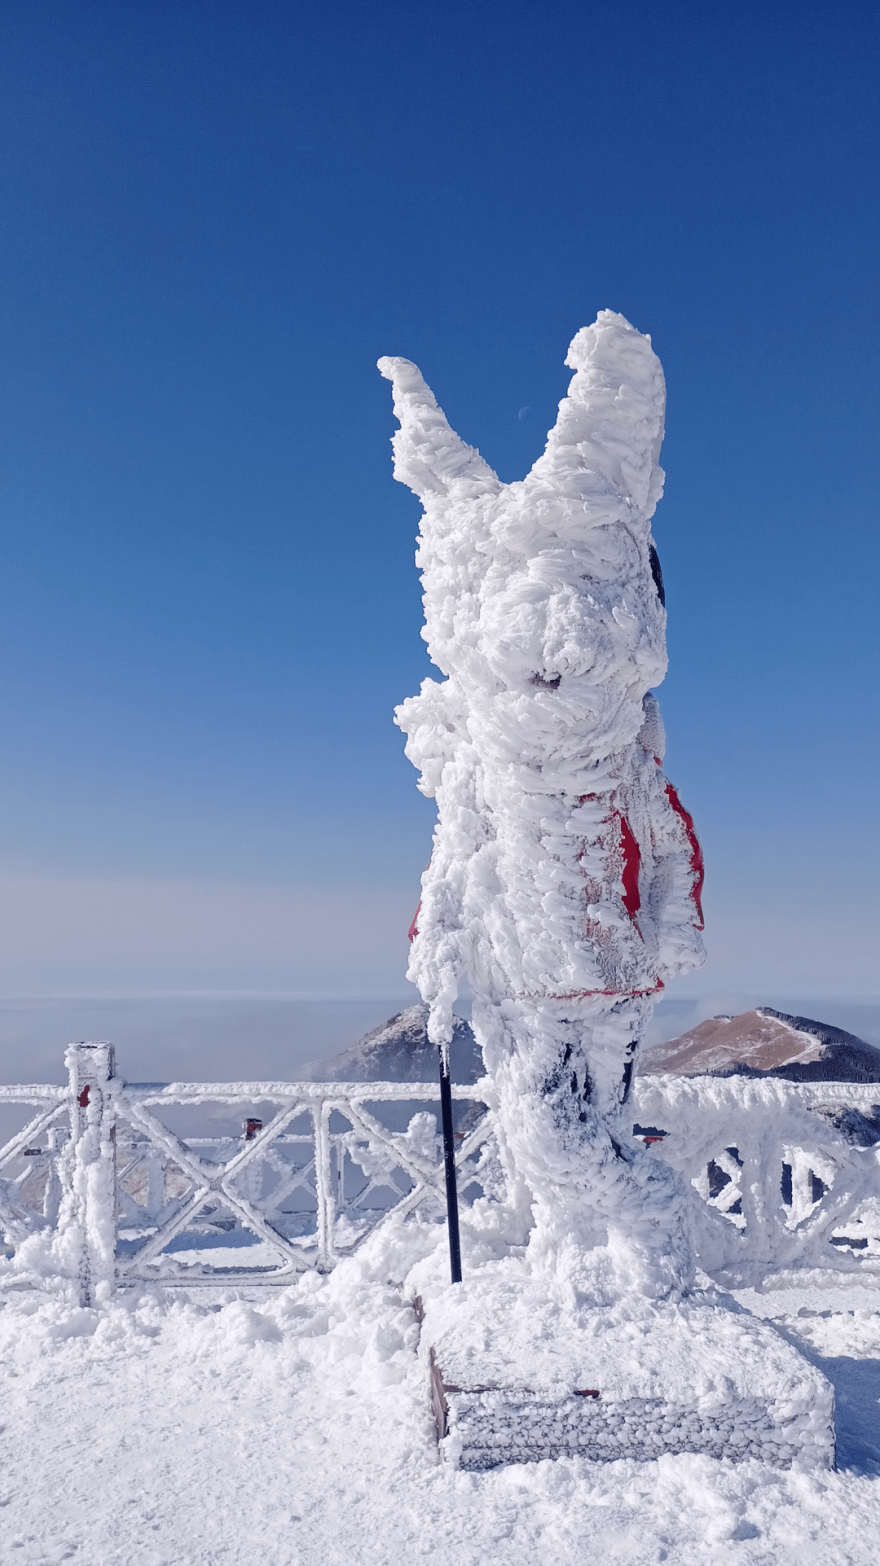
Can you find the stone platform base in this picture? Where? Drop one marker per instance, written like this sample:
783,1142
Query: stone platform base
516,1377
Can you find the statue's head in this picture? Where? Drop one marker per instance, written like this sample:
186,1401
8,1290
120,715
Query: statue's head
544,598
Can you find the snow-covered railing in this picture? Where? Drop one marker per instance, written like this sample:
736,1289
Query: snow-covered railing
117,1183
786,1175
114,1194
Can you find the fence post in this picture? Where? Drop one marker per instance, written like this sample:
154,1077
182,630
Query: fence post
87,1219
323,1186
52,1195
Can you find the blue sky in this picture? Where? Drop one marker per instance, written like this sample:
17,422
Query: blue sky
216,217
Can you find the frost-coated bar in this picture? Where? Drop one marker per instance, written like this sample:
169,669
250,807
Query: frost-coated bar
323,1186
33,1093
34,1128
281,1092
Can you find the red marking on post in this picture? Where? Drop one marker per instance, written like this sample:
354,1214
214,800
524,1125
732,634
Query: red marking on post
83,1097
585,994
632,862
696,861
414,927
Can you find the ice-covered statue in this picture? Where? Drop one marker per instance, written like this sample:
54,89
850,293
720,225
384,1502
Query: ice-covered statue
564,887
564,890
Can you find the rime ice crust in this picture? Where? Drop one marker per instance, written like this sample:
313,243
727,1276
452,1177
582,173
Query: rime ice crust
563,878
669,1379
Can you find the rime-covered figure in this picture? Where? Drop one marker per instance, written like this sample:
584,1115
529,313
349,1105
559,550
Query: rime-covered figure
564,887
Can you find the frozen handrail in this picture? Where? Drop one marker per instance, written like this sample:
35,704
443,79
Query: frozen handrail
785,1175
307,1185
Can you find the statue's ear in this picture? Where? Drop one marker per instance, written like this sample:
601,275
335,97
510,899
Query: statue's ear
428,455
611,421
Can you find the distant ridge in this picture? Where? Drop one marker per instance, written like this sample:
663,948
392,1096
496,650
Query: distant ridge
758,1043
399,1051
766,1042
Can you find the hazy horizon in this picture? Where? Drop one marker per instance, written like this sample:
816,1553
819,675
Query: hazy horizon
252,1037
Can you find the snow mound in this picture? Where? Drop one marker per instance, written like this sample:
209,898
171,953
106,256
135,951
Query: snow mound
521,1375
295,1430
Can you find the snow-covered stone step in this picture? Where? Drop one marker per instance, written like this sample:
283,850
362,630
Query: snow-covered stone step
517,1377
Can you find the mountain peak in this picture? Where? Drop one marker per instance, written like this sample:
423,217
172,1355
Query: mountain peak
766,1042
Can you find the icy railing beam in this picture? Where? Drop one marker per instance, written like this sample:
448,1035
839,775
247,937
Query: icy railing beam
253,1092
33,1093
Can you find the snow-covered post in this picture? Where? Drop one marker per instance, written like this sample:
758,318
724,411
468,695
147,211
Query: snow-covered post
87,1216
326,1213
565,879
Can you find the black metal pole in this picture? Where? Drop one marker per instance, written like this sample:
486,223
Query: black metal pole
449,1166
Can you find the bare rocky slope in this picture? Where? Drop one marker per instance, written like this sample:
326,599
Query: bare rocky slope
765,1042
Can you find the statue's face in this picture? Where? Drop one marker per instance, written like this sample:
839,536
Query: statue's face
567,638
567,619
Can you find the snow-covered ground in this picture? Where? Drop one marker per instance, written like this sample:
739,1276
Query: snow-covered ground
295,1427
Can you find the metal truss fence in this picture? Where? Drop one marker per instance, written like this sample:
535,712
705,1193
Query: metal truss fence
101,1185
113,1183
785,1176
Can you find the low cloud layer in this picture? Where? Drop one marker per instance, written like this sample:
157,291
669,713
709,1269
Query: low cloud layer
88,936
